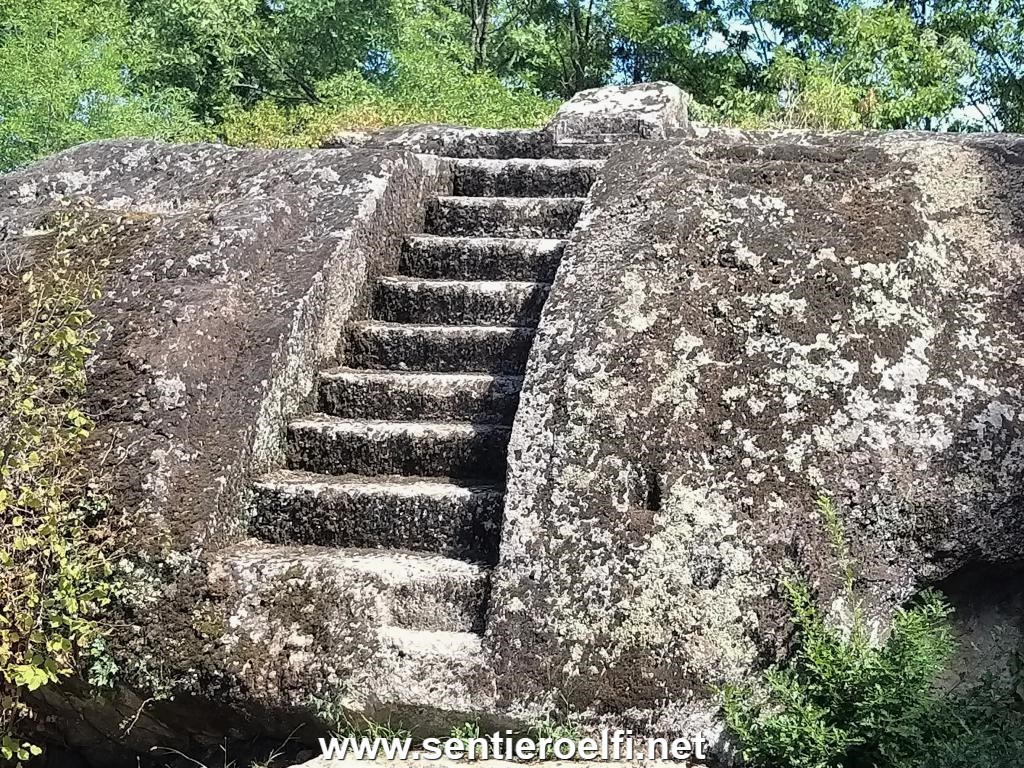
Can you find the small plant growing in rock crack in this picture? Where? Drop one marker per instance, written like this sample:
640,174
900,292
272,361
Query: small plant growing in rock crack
552,728
468,733
360,726
845,701
341,722
54,574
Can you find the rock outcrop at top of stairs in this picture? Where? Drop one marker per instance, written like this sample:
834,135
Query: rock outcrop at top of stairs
444,424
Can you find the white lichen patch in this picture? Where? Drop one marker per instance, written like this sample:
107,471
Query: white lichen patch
769,208
631,314
693,587
884,290
678,385
171,391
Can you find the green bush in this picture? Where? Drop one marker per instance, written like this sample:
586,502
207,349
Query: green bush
880,70
54,573
421,89
844,700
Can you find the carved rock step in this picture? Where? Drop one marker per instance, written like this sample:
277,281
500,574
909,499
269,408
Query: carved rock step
329,445
461,302
547,217
525,178
437,680
332,587
472,143
429,643
481,258
368,394
420,668
440,348
414,513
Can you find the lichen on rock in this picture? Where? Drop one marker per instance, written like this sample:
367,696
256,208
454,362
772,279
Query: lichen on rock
743,322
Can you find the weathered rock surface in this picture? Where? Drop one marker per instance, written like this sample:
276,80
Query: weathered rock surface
231,278
237,273
589,126
612,115
741,323
470,143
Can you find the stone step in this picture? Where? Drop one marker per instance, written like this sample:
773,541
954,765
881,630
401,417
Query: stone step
458,302
334,446
428,643
407,396
439,348
414,513
437,679
470,143
547,217
524,178
408,590
481,258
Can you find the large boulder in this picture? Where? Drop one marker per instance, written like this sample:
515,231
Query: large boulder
613,114
231,275
742,323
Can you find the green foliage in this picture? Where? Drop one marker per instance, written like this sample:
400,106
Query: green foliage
667,40
845,700
103,668
292,72
421,90
362,727
551,727
342,722
846,67
69,75
879,70
431,78
225,50
466,731
469,734
563,47
54,575
994,30
427,79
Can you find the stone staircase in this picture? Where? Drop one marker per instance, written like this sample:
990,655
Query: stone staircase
395,485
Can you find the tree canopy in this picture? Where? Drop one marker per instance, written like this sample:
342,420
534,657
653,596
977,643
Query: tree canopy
289,71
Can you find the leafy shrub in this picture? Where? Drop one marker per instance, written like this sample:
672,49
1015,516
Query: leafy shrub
423,73
421,88
54,575
846,701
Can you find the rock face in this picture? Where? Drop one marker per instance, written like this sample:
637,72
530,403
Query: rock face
741,323
613,115
312,376
230,282
365,588
589,125
237,273
307,434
